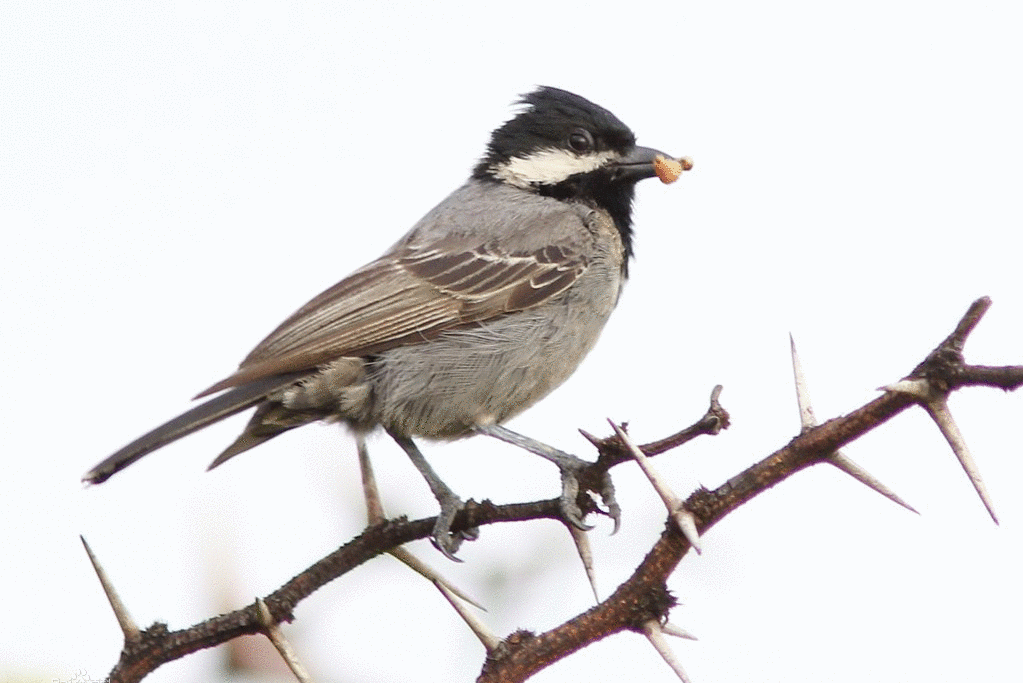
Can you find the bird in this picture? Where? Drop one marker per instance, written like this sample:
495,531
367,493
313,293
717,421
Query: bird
485,306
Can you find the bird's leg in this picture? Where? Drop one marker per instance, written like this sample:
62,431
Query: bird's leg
570,467
450,504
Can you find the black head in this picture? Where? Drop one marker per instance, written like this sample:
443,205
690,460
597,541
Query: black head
564,146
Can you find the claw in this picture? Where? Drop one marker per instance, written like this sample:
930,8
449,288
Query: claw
442,538
449,550
569,492
607,494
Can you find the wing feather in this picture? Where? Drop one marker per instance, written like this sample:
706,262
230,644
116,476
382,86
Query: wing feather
409,296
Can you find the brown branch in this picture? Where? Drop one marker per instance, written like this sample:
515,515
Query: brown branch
628,607
157,645
1008,377
639,600
635,601
612,451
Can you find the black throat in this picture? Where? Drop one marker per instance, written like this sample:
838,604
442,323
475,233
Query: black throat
599,190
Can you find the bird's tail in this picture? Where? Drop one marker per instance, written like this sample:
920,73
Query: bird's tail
214,410
269,420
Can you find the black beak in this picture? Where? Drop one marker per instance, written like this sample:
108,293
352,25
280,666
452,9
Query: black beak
639,164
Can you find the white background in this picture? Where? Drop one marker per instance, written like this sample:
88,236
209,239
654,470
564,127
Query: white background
177,178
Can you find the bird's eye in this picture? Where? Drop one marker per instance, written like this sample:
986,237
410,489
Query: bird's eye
580,140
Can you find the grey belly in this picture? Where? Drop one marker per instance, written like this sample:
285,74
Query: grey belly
486,373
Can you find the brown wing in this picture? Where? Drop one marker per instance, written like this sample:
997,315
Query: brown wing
408,297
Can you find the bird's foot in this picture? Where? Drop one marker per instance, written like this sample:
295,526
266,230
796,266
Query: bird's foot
442,538
446,541
571,469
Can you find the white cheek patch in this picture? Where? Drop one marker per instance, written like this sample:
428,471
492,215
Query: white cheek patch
549,166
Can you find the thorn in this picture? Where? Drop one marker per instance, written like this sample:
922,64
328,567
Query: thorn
128,627
683,518
687,525
485,635
808,420
273,632
939,412
589,437
917,388
430,574
582,546
655,634
677,631
845,464
806,417
374,507
936,404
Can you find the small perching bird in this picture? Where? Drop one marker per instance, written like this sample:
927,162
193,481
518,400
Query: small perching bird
486,305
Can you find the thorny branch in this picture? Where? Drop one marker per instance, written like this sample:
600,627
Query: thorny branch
640,604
